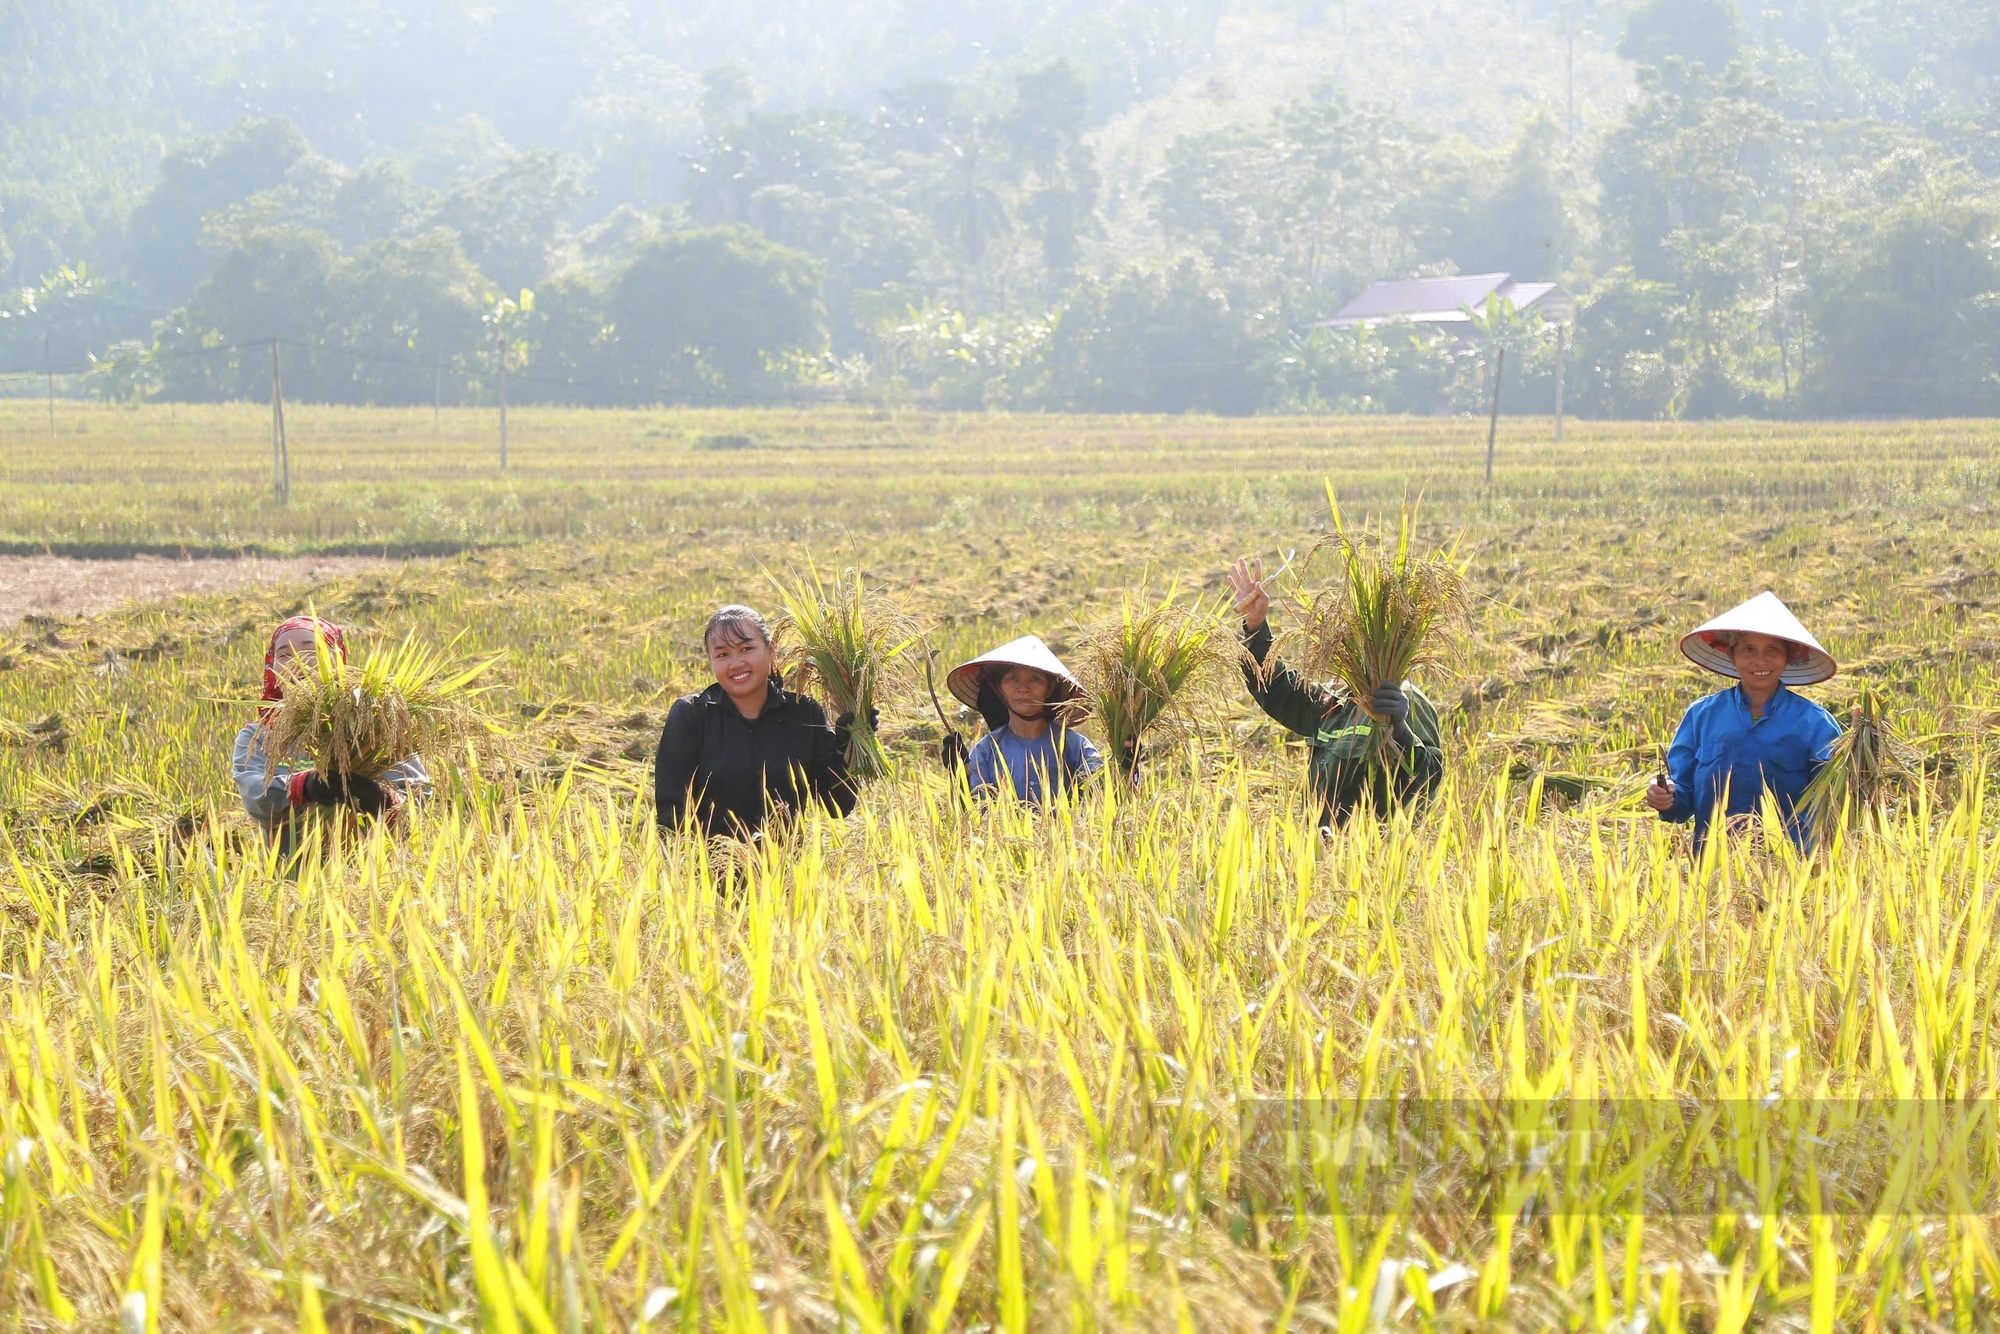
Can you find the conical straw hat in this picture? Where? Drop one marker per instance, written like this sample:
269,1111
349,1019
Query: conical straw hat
1763,615
1027,651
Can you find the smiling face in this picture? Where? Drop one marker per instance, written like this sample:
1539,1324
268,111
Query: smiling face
293,644
1760,661
741,660
1024,691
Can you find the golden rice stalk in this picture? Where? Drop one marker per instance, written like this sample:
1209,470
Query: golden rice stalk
1870,763
365,717
1137,668
845,640
1385,615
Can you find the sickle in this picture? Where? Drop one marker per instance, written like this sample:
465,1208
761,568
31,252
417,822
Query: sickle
930,684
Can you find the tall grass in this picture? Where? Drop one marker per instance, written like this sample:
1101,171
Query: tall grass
1107,1067
939,1069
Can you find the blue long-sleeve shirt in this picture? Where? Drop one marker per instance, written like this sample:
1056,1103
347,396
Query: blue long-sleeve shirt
1031,767
1720,746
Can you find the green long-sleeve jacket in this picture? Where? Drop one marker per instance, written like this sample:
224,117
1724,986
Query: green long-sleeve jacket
1339,731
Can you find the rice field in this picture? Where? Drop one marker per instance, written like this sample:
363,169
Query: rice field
1162,1058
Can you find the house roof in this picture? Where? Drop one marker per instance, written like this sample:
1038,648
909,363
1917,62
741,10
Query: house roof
1444,300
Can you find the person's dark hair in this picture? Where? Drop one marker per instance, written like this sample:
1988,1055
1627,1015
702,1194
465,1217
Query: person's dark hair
742,625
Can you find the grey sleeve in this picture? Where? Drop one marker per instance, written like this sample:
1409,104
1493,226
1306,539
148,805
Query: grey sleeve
409,778
266,798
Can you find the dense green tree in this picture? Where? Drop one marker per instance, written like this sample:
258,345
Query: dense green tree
713,315
1910,323
509,220
1045,133
277,284
407,311
63,320
1152,342
1298,213
198,180
1522,224
570,349
1704,32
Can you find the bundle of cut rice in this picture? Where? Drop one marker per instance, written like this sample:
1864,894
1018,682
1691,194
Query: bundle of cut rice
1386,613
1137,669
1869,764
845,640
363,718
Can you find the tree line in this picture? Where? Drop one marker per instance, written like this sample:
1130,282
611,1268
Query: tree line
1736,248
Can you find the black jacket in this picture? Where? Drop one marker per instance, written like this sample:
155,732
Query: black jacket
733,766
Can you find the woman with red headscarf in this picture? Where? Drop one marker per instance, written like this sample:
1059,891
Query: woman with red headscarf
274,788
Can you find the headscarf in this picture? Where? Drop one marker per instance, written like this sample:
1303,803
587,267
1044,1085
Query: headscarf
328,631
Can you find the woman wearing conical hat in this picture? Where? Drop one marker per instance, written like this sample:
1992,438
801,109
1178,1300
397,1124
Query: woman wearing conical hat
1755,736
1031,703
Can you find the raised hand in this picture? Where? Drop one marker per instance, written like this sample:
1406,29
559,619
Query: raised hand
1246,583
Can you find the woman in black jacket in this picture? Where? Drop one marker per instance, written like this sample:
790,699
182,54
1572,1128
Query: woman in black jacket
746,747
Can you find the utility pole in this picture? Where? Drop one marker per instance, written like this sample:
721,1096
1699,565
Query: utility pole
503,402
1493,427
1562,338
437,394
281,459
49,378
1569,76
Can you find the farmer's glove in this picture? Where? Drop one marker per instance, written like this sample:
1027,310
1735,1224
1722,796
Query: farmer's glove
1390,705
317,791
366,795
953,753
844,724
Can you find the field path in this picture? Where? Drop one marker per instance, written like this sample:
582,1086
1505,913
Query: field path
66,586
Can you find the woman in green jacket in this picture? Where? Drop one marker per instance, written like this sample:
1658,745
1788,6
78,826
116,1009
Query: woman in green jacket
1334,721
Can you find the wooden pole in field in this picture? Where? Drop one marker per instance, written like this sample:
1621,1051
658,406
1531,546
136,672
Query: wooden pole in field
503,402
1562,338
49,377
1493,426
281,458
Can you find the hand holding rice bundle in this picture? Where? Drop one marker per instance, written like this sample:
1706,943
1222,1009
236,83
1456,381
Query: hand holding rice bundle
1386,615
845,642
1375,739
1869,764
330,736
361,720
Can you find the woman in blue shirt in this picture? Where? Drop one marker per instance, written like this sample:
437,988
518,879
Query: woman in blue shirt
1029,701
1756,736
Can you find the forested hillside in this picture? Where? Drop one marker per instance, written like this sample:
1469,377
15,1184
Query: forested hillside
1092,204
